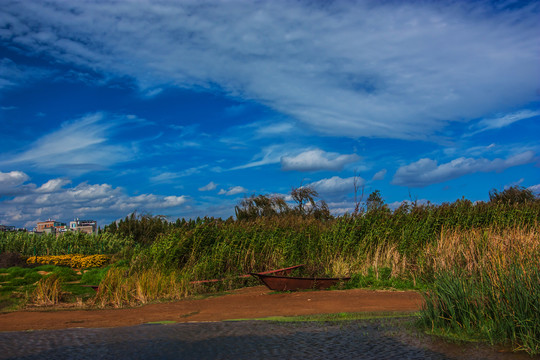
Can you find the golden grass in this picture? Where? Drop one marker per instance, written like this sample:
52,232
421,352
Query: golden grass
464,250
474,250
47,292
118,288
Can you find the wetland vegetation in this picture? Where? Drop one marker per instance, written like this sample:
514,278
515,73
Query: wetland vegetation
477,264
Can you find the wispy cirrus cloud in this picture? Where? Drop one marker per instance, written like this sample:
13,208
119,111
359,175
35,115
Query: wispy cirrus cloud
426,171
268,155
81,145
167,176
351,69
504,120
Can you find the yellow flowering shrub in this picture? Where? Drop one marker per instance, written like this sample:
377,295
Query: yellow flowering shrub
73,260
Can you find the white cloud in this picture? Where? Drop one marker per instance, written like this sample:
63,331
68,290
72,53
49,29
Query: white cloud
153,92
54,199
53,185
275,129
172,176
515,183
535,189
268,155
425,171
353,69
11,183
336,185
505,120
80,145
208,187
314,160
379,175
235,190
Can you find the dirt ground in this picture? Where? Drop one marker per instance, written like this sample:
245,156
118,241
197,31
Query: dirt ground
247,303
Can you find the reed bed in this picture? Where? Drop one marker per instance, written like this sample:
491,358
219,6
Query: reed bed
67,243
486,286
477,258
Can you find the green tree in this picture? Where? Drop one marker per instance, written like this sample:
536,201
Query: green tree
375,202
307,203
261,205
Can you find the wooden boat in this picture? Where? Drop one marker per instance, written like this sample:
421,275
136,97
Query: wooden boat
283,271
292,283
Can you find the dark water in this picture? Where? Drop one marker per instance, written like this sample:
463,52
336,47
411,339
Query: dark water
359,339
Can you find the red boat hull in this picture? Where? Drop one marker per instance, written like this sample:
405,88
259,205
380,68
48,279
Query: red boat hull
291,283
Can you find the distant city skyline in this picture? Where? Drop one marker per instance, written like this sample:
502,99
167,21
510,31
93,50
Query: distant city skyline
183,108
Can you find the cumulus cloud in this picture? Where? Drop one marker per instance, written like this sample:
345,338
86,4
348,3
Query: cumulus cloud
53,185
426,171
55,199
379,175
353,69
314,160
11,183
235,190
336,185
208,187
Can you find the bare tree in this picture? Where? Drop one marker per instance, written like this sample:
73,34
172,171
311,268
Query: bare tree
357,203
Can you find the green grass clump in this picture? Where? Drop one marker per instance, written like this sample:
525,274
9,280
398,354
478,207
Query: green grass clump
65,274
47,268
94,276
501,307
29,286
16,271
383,279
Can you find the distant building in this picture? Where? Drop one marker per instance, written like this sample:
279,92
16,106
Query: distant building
85,226
50,226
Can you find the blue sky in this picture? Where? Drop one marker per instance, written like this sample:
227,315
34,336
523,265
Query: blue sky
183,108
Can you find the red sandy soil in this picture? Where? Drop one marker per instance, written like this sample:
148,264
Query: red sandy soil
247,303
